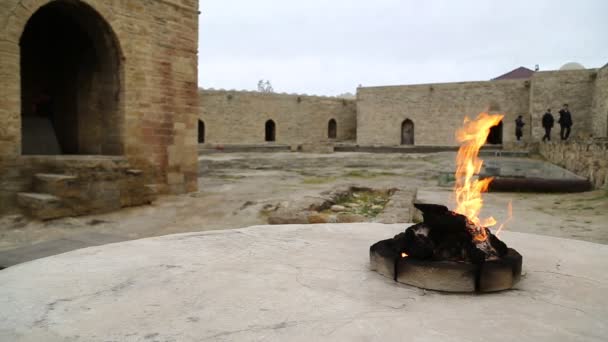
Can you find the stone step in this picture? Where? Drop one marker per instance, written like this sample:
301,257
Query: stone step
42,206
59,185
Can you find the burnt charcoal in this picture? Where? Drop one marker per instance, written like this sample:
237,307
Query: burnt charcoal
400,242
385,248
444,235
499,246
431,209
418,243
452,250
441,218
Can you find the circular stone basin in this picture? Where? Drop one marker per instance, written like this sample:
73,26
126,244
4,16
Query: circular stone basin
293,283
528,175
450,276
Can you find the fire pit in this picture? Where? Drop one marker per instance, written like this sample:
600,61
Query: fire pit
442,253
454,251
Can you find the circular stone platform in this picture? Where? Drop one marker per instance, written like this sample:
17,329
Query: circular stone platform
293,283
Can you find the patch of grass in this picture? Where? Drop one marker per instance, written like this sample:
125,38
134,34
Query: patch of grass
365,203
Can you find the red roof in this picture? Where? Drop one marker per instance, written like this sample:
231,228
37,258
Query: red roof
515,74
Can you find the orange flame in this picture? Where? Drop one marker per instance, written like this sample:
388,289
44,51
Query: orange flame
404,255
509,217
472,136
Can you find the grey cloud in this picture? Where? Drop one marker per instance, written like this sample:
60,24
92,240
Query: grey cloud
328,47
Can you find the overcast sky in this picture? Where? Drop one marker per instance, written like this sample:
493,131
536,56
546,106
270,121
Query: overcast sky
328,47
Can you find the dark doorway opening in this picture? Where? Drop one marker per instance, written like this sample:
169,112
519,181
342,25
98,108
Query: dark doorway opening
495,136
332,129
70,82
407,132
270,131
201,131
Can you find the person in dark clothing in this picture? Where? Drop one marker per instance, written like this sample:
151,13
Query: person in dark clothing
565,122
547,124
519,127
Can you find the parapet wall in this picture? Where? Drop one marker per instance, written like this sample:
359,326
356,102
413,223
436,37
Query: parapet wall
600,104
239,117
551,89
436,110
587,158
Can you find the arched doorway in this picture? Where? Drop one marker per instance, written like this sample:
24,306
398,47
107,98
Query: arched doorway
332,129
407,132
495,136
201,131
270,131
71,77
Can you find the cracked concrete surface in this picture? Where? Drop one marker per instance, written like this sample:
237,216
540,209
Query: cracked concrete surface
293,283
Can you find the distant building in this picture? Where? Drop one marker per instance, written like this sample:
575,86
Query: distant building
572,66
516,74
418,114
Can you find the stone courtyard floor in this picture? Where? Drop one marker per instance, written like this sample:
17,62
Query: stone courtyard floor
294,283
236,187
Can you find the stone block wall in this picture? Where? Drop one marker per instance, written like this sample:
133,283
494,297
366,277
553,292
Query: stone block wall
436,110
239,117
600,104
551,89
157,96
101,183
587,158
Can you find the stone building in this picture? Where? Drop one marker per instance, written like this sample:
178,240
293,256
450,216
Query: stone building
432,112
241,117
422,114
98,103
429,114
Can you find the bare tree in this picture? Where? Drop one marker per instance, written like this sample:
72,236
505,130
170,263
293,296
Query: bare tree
269,87
265,87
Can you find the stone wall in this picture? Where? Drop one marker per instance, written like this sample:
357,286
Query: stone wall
551,89
587,158
436,110
600,104
156,99
239,117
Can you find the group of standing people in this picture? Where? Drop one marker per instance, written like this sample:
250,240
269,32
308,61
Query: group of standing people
564,121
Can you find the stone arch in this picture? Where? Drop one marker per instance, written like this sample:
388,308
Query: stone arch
71,69
407,132
201,131
332,129
496,133
270,131
23,10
